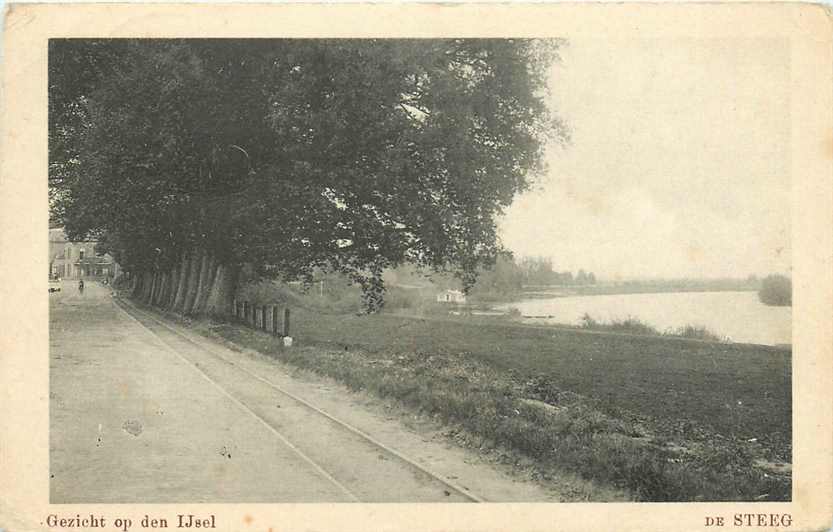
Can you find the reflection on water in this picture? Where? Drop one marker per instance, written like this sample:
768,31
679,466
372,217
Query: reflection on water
738,315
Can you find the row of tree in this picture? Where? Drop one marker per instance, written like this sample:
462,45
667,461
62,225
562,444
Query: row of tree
508,276
539,271
188,159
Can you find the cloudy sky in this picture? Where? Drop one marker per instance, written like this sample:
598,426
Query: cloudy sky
678,164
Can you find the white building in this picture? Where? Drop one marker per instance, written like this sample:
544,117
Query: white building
77,260
451,296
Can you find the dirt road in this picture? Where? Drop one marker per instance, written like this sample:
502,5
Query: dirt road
142,411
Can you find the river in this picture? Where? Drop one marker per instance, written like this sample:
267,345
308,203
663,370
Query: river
740,316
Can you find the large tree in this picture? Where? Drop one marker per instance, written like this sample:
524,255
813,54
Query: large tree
190,158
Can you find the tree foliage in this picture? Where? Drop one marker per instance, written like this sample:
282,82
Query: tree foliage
539,271
503,279
291,155
776,290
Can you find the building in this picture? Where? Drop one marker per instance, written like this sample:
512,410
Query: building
77,260
451,296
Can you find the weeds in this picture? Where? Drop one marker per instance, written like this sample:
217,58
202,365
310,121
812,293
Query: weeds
697,332
632,325
629,325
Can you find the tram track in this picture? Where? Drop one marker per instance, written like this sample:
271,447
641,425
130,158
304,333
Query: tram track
354,478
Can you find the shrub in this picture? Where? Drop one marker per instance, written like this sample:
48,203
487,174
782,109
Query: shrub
407,299
587,322
776,290
697,332
629,325
633,326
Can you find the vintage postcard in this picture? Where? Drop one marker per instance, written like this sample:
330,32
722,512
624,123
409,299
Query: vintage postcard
417,267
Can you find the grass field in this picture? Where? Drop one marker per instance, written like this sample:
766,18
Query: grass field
663,418
731,388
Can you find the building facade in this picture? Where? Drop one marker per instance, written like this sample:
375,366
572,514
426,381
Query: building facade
451,296
77,260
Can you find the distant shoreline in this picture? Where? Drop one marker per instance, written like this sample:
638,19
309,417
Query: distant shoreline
597,290
619,290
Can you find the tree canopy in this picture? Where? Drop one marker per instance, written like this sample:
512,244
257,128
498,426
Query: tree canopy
776,290
291,155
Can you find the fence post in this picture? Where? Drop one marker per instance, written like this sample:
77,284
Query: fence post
263,317
246,312
286,321
274,320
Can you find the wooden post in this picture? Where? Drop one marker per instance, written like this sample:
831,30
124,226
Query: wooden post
263,317
286,321
246,312
274,320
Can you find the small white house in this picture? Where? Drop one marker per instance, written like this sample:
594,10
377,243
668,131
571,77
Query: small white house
451,296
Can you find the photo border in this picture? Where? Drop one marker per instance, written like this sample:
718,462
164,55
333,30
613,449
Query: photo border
24,365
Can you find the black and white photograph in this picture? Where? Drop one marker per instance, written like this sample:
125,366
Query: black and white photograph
519,265
419,270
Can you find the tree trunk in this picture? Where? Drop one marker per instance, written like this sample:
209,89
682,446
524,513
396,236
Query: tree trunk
182,283
163,282
196,267
222,291
163,289
207,272
147,285
151,289
168,300
154,288
151,286
198,285
136,287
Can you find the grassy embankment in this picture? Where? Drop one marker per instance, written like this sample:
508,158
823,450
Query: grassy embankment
663,418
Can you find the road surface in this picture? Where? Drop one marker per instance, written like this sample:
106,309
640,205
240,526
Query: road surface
143,411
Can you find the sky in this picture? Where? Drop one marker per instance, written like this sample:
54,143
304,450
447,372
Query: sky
678,163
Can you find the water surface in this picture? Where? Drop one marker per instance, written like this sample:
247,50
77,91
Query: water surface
737,315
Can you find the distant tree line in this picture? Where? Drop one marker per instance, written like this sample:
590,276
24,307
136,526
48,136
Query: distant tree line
509,275
539,271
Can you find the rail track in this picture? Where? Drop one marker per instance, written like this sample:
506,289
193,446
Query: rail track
396,476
